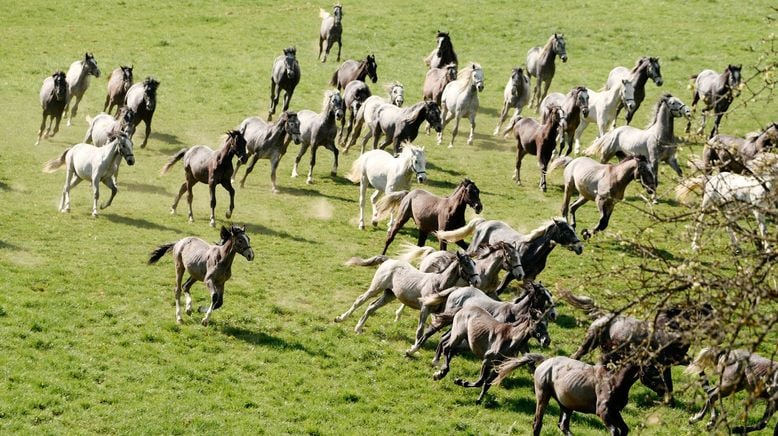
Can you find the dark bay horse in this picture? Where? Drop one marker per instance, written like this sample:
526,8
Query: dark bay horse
576,107
402,124
203,165
732,153
118,85
443,54
354,95
540,64
717,92
284,76
319,130
430,212
537,138
645,68
142,99
331,31
355,70
211,264
268,141
54,97
78,81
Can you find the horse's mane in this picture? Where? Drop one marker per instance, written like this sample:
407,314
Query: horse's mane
657,107
291,51
326,102
408,151
151,84
464,75
388,87
541,230
411,114
639,63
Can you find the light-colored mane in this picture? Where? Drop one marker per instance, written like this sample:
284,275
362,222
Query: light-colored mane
465,76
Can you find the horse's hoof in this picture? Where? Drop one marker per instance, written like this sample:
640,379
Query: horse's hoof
94,214
309,181
361,226
451,146
272,191
179,321
586,235
212,223
409,352
334,173
189,311
228,214
204,322
459,382
374,223
438,375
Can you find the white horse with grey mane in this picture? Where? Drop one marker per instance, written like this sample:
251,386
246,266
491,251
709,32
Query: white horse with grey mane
603,106
460,99
78,81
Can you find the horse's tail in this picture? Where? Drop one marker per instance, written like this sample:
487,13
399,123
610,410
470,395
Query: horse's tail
687,186
355,175
600,147
411,252
159,252
173,159
705,359
56,163
561,161
437,299
323,14
334,79
693,83
509,365
583,303
88,136
511,125
461,233
371,261
390,202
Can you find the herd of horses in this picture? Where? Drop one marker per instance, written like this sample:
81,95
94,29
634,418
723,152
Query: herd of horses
462,289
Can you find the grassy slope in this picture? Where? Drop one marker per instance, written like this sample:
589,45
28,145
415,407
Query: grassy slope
89,339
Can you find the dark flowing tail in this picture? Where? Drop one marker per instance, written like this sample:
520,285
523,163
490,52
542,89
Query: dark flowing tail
509,365
334,80
173,159
583,303
159,252
372,261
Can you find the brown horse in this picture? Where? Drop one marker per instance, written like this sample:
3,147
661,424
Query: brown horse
355,70
118,85
539,139
203,165
576,107
331,31
54,97
211,264
436,80
732,153
430,212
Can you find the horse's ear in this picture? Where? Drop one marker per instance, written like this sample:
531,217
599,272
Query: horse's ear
624,81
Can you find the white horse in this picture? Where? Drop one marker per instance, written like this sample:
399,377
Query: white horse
97,164
386,174
460,98
368,111
656,143
516,95
78,81
603,106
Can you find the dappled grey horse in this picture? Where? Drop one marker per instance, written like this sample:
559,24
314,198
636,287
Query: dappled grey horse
540,64
284,76
516,96
331,31
319,129
78,81
717,92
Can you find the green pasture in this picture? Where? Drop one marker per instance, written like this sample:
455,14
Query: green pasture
88,339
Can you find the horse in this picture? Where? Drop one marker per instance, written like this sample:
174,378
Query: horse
732,154
490,340
717,92
430,212
435,81
203,165
53,97
210,264
443,53
386,174
104,125
602,108
368,111
78,81
516,96
119,83
285,76
645,68
319,130
401,124
534,247
354,96
575,106
96,164
732,193
738,370
577,387
331,31
656,143
540,64
267,141
355,70
398,279
539,139
142,98
460,99
602,183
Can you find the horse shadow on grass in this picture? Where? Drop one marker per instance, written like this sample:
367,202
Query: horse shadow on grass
146,187
634,250
266,340
4,186
527,406
167,138
260,229
432,166
8,246
305,192
566,321
138,222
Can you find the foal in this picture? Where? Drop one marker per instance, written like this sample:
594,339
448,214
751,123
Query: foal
538,139
54,96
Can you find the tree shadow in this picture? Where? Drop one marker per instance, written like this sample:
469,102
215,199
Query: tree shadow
262,230
145,187
138,222
263,339
566,321
304,192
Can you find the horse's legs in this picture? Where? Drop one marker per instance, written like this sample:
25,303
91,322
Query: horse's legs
217,298
376,287
564,419
309,179
606,209
228,186
574,207
321,40
546,84
190,182
520,153
287,98
212,192
566,201
339,47
334,149
733,237
695,99
423,315
712,396
542,397
445,117
454,132
95,194
112,186
180,268
40,131
449,351
667,378
697,231
423,240
486,370
588,344
274,92
188,285
74,109
147,121
760,219
543,164
362,189
715,130
403,215
380,302
178,197
577,136
501,119
398,312
472,129
373,202
769,411
71,180
303,148
249,168
439,349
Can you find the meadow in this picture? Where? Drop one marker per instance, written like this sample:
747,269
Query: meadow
89,339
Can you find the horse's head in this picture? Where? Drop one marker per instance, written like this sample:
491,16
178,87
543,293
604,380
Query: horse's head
91,65
418,161
539,298
336,105
734,78
150,86
443,38
477,77
60,85
237,143
677,107
562,233
560,46
433,115
511,259
337,12
372,68
767,138
467,269
127,120
654,71
628,94
539,326
517,80
125,146
292,126
396,93
290,58
644,174
241,243
472,195
582,100
126,77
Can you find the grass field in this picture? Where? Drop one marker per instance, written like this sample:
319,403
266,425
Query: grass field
89,339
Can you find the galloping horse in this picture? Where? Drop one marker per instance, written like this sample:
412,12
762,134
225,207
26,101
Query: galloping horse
435,81
516,96
203,165
368,110
602,108
142,98
331,31
401,125
645,68
460,99
354,96
602,183
78,81
540,64
319,130
118,85
575,106
539,139
54,97
211,264
104,126
430,212
355,70
284,76
732,153
443,54
717,92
